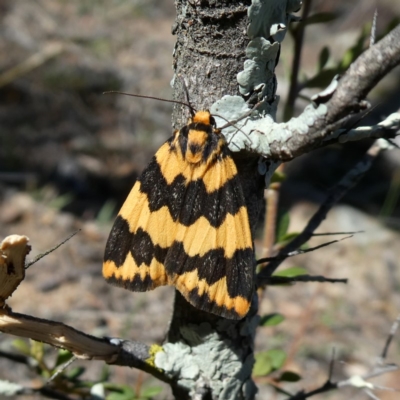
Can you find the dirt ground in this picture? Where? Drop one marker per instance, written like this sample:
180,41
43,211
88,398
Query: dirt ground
68,156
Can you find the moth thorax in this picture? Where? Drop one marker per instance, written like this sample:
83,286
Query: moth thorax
203,117
196,144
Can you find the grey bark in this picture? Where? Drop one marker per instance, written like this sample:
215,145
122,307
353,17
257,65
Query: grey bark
209,357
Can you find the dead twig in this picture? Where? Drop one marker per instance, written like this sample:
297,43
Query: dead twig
343,186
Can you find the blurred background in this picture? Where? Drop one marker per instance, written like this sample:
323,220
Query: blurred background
69,156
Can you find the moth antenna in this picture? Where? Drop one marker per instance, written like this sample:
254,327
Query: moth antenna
235,126
150,97
186,91
230,123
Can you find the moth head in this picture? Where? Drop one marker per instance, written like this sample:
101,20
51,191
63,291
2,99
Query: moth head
199,140
203,117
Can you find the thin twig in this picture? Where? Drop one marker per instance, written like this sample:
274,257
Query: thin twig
40,256
331,365
343,186
336,233
48,52
284,256
61,368
372,37
356,381
279,280
389,339
298,34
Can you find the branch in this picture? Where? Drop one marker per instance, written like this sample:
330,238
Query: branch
83,346
363,75
357,381
346,183
284,256
319,121
279,280
388,128
13,251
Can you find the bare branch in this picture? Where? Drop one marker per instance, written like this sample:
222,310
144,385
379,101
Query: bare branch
346,183
392,332
281,257
363,75
279,280
84,346
355,381
40,256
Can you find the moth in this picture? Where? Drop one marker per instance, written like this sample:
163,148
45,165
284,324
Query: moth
185,223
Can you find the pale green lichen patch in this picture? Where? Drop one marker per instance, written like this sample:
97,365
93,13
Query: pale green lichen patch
205,356
259,66
270,17
257,131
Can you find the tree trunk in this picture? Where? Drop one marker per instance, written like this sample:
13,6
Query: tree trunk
210,357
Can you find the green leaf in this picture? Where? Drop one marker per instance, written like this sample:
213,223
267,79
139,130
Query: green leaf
283,226
262,366
323,58
287,238
268,361
353,52
62,357
271,319
321,18
106,213
150,391
104,374
289,376
322,79
61,201
278,176
120,392
291,272
22,346
278,358
37,350
75,373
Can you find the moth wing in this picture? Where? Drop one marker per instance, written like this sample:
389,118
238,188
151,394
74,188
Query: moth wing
211,261
143,231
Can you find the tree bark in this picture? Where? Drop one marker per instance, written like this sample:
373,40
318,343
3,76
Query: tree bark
209,356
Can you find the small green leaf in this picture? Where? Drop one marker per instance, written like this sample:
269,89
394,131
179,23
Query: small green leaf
37,350
289,376
291,272
278,176
150,391
75,373
106,213
62,357
268,361
61,201
104,374
278,358
353,52
288,237
283,226
22,346
262,366
321,18
271,319
323,58
322,79
120,392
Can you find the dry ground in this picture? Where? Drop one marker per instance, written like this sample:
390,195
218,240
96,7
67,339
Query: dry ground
64,146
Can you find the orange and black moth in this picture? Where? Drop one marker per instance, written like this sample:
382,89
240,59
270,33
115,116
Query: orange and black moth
185,223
